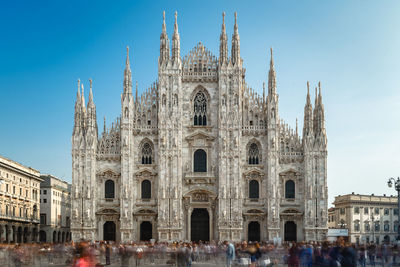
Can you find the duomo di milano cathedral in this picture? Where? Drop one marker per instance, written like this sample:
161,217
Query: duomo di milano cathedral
199,156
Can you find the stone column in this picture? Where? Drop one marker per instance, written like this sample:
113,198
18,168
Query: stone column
210,214
189,223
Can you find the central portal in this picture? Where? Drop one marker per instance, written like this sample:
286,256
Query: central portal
200,225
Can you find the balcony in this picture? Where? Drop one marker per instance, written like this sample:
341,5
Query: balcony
109,201
254,201
146,202
290,202
200,178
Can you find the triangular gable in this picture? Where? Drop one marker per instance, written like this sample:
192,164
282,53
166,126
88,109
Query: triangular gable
145,171
200,135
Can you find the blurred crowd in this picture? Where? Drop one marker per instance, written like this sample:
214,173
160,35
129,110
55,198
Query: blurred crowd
185,254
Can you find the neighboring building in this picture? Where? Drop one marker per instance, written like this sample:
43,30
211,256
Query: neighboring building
19,202
331,218
368,218
199,156
55,210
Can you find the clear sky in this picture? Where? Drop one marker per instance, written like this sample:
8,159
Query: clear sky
352,47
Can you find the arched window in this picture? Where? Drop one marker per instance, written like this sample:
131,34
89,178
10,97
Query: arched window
200,109
367,226
109,189
146,154
146,189
253,154
357,225
377,226
386,226
253,189
289,189
200,161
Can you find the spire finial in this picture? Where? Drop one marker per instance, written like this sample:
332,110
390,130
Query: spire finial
90,81
223,23
79,86
83,93
272,57
127,56
297,127
176,23
164,27
104,129
236,26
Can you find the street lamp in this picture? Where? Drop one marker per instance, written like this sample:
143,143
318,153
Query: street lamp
342,224
396,183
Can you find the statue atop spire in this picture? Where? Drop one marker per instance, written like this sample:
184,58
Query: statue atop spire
90,93
235,27
176,46
164,43
223,45
271,76
164,27
176,23
127,74
235,44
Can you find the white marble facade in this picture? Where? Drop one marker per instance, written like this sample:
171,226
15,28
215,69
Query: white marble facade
199,155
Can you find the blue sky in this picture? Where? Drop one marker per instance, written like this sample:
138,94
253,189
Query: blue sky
352,47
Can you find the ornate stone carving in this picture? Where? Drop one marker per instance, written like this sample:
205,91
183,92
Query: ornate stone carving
200,197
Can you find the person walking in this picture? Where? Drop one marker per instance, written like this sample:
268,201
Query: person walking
230,253
108,254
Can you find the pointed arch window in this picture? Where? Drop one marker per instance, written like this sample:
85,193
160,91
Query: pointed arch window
109,189
200,109
289,189
254,189
253,154
147,153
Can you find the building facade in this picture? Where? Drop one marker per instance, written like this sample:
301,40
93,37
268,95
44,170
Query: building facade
368,218
199,156
55,210
19,202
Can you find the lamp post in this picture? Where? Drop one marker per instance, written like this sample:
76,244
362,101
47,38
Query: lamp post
396,183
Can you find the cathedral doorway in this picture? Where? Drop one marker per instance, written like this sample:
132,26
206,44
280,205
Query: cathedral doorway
109,230
146,231
200,225
253,233
290,231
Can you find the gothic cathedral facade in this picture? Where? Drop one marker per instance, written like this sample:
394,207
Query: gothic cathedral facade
199,156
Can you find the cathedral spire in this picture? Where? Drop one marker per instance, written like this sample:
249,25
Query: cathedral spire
127,75
78,110
308,116
235,44
263,92
176,41
271,76
223,46
90,94
164,43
